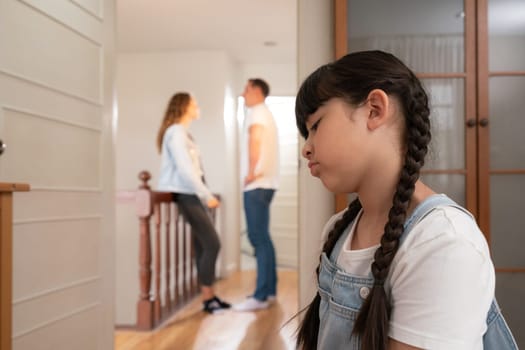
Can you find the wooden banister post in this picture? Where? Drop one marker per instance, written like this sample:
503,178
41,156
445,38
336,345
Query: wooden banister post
144,211
6,260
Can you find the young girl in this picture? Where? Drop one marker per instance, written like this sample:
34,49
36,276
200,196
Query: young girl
181,172
402,267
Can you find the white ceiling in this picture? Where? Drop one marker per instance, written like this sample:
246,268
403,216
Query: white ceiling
239,27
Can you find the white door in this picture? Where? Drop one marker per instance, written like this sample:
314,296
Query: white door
56,111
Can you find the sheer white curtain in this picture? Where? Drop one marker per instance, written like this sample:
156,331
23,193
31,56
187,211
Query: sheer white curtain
424,53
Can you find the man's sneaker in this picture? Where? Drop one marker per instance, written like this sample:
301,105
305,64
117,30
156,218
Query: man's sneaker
271,299
251,304
215,305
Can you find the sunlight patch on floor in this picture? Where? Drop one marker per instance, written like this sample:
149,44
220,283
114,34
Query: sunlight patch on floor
216,333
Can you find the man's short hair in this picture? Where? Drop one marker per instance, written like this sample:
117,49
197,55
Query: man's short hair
261,84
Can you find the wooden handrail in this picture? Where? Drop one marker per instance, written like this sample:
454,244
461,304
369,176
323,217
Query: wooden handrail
6,259
171,237
13,187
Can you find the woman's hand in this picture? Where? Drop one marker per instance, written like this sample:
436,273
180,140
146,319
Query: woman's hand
213,203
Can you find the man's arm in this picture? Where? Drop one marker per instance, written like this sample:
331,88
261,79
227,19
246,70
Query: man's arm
255,133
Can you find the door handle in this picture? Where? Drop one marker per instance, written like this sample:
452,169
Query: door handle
484,122
3,146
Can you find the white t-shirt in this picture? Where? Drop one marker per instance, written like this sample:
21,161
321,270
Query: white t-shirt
268,163
440,284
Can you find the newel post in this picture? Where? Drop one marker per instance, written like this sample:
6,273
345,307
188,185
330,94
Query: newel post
6,260
144,212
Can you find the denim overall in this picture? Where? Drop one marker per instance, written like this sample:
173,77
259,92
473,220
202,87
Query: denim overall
342,295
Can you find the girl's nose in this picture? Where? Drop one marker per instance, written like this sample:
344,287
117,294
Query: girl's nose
307,150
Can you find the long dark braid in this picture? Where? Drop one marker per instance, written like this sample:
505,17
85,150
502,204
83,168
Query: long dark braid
308,330
372,321
352,78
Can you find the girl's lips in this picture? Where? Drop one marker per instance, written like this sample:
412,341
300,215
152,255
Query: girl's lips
314,168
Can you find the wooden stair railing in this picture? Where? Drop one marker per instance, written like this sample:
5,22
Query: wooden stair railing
165,257
6,260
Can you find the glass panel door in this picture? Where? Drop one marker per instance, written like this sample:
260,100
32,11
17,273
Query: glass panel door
503,119
445,167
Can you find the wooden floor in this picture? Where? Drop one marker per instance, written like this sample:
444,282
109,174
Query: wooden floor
194,329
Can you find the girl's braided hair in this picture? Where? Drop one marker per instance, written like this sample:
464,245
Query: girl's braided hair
351,78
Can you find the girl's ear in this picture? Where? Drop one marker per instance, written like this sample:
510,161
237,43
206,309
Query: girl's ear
379,105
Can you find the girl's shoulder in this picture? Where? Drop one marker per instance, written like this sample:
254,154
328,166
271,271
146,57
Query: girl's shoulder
441,282
446,225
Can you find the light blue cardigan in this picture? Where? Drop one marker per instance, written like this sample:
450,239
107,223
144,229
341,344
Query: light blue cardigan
181,170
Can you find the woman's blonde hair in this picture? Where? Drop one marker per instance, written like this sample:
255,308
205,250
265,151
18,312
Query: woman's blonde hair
176,108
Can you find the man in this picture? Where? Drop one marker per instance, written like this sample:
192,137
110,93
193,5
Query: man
260,175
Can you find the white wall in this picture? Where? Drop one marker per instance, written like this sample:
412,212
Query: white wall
231,205
316,204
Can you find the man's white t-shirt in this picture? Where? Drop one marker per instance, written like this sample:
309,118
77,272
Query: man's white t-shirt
441,282
268,164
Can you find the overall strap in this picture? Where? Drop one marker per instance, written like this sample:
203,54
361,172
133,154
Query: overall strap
339,244
424,208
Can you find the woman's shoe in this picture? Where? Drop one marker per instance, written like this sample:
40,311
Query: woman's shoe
215,305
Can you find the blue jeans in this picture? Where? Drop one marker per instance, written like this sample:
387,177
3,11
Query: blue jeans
257,211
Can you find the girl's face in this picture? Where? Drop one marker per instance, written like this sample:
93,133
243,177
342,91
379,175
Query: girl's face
337,147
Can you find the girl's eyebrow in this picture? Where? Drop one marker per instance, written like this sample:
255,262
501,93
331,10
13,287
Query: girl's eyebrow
308,118
310,121
317,120
318,113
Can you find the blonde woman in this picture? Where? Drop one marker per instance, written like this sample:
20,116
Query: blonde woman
181,173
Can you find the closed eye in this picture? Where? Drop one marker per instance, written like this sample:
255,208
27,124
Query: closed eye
315,125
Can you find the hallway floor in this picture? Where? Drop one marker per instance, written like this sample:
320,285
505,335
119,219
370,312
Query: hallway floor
193,329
